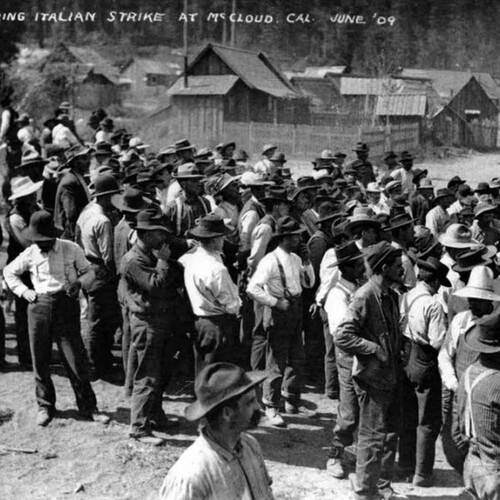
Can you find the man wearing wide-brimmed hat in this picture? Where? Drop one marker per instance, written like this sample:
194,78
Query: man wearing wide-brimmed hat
374,197
363,227
303,196
424,328
224,462
23,205
401,229
405,174
277,284
264,165
478,391
213,295
72,193
58,269
455,356
31,165
190,205
465,198
185,152
94,233
438,218
149,282
484,228
226,186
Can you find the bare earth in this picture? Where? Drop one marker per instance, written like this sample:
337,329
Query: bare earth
82,460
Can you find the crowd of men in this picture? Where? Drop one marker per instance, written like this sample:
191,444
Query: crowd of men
364,280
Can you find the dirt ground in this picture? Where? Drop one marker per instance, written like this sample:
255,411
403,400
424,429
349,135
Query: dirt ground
82,460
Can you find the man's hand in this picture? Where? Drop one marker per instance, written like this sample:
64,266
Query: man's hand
283,304
73,289
164,253
30,296
381,355
314,310
191,243
304,253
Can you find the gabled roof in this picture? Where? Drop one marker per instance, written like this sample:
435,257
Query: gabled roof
401,105
151,66
254,69
449,82
204,85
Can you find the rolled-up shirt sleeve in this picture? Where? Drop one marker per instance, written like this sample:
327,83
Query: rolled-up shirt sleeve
446,358
225,291
437,325
13,271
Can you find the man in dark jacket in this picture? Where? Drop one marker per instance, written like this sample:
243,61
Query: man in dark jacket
72,193
370,331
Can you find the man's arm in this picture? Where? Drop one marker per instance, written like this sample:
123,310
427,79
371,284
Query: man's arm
13,271
256,286
437,324
261,236
104,238
248,221
446,358
225,291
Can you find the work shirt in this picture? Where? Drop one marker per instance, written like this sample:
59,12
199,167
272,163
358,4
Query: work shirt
182,214
94,233
209,286
423,317
409,277
229,213
337,302
50,272
263,166
261,237
380,208
329,274
207,471
266,285
455,208
124,238
250,215
488,236
436,219
63,137
405,177
452,276
461,323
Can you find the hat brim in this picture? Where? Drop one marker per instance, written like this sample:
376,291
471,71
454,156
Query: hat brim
187,177
350,226
31,235
470,292
118,202
185,148
454,244
199,234
473,341
486,211
197,410
402,224
349,259
26,192
104,193
151,228
271,199
460,269
264,151
302,230
34,163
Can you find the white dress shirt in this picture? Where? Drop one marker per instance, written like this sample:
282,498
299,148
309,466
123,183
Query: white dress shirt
405,177
329,274
266,285
210,288
63,137
337,302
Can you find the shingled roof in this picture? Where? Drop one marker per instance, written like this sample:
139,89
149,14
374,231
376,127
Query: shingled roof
254,69
204,85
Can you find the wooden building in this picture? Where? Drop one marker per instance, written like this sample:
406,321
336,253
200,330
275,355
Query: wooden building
227,84
469,119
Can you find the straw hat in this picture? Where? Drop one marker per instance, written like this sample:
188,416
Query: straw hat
23,186
480,285
457,236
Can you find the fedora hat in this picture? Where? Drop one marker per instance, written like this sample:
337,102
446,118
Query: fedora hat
362,216
483,188
465,191
426,184
217,383
137,143
339,230
480,285
443,193
253,179
275,194
347,253
42,227
391,185
278,157
483,208
209,226
75,152
390,154
373,187
484,335
326,154
287,226
401,220
339,155
168,151
437,268
30,158
226,145
327,211
455,180
406,156
105,184
468,260
378,254
103,148
361,147
130,201
268,148
23,186
222,181
418,173
107,122
424,241
305,183
457,236
188,171
150,219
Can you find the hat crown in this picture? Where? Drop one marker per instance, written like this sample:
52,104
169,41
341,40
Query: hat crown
18,184
482,207
489,329
211,223
306,181
252,179
287,225
347,252
470,258
373,187
132,198
42,222
188,170
150,217
326,154
481,277
457,233
105,183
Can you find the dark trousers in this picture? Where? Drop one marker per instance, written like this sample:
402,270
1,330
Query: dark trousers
57,317
103,320
377,439
129,356
215,339
331,375
259,339
152,343
284,354
2,337
348,407
454,446
420,422
314,344
22,337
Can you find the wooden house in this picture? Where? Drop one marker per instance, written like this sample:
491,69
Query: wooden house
227,84
469,119
93,79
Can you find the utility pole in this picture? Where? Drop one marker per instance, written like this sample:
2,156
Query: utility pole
185,33
233,25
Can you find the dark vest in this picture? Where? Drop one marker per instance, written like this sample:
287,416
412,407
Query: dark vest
252,205
267,219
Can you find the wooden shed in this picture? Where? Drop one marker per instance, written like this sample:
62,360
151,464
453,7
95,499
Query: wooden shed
470,119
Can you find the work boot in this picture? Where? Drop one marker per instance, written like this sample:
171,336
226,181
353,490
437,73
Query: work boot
300,411
150,439
275,419
44,417
423,480
95,416
335,468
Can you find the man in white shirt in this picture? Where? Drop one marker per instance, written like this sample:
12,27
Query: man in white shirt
437,218
277,284
265,165
405,173
213,295
465,198
374,197
225,462
62,135
58,269
351,268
